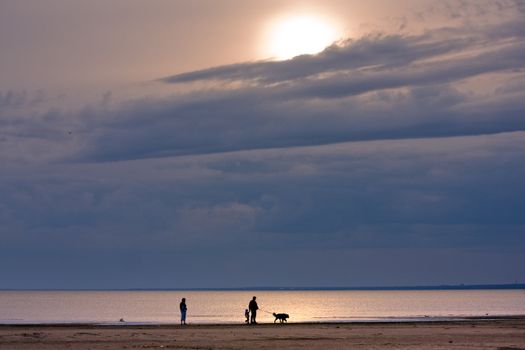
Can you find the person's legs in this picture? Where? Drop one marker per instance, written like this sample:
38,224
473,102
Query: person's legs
254,315
183,317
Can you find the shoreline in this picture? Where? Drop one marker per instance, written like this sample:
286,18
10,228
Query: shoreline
386,321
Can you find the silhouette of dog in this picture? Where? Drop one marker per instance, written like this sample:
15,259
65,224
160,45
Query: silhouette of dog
281,317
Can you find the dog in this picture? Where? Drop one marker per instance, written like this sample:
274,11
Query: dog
281,317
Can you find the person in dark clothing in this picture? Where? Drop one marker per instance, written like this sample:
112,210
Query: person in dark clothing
253,309
247,315
183,309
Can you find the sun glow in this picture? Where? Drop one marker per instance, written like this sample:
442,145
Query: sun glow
292,36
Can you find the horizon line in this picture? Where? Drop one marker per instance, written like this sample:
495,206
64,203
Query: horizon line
515,285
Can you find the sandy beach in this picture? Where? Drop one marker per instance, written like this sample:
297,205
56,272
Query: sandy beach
499,334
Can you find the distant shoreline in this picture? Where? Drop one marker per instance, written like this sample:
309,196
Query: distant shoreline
385,321
514,286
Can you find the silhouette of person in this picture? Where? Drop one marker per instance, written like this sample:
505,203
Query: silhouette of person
253,309
247,315
183,308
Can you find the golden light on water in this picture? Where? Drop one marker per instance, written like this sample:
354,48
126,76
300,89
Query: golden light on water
290,36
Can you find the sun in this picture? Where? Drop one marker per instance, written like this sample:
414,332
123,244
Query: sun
291,36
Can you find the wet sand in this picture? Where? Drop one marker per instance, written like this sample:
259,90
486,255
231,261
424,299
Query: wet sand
500,334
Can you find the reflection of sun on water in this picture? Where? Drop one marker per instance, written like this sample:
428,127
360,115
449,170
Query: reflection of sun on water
292,36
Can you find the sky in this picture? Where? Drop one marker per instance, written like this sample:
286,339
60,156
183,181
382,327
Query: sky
169,144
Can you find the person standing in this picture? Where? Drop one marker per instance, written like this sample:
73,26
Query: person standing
253,310
247,315
183,309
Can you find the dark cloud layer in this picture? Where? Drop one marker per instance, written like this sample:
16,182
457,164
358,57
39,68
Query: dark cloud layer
384,160
448,197
378,87
377,52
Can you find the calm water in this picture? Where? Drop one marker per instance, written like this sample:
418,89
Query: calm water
228,306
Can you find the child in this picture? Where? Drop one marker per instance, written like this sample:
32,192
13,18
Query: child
247,315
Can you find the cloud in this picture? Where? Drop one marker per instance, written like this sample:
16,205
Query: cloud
380,86
13,99
390,147
461,193
377,87
370,51
378,51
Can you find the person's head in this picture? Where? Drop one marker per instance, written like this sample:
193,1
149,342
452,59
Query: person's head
183,300
254,298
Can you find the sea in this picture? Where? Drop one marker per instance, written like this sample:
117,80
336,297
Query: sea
227,307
